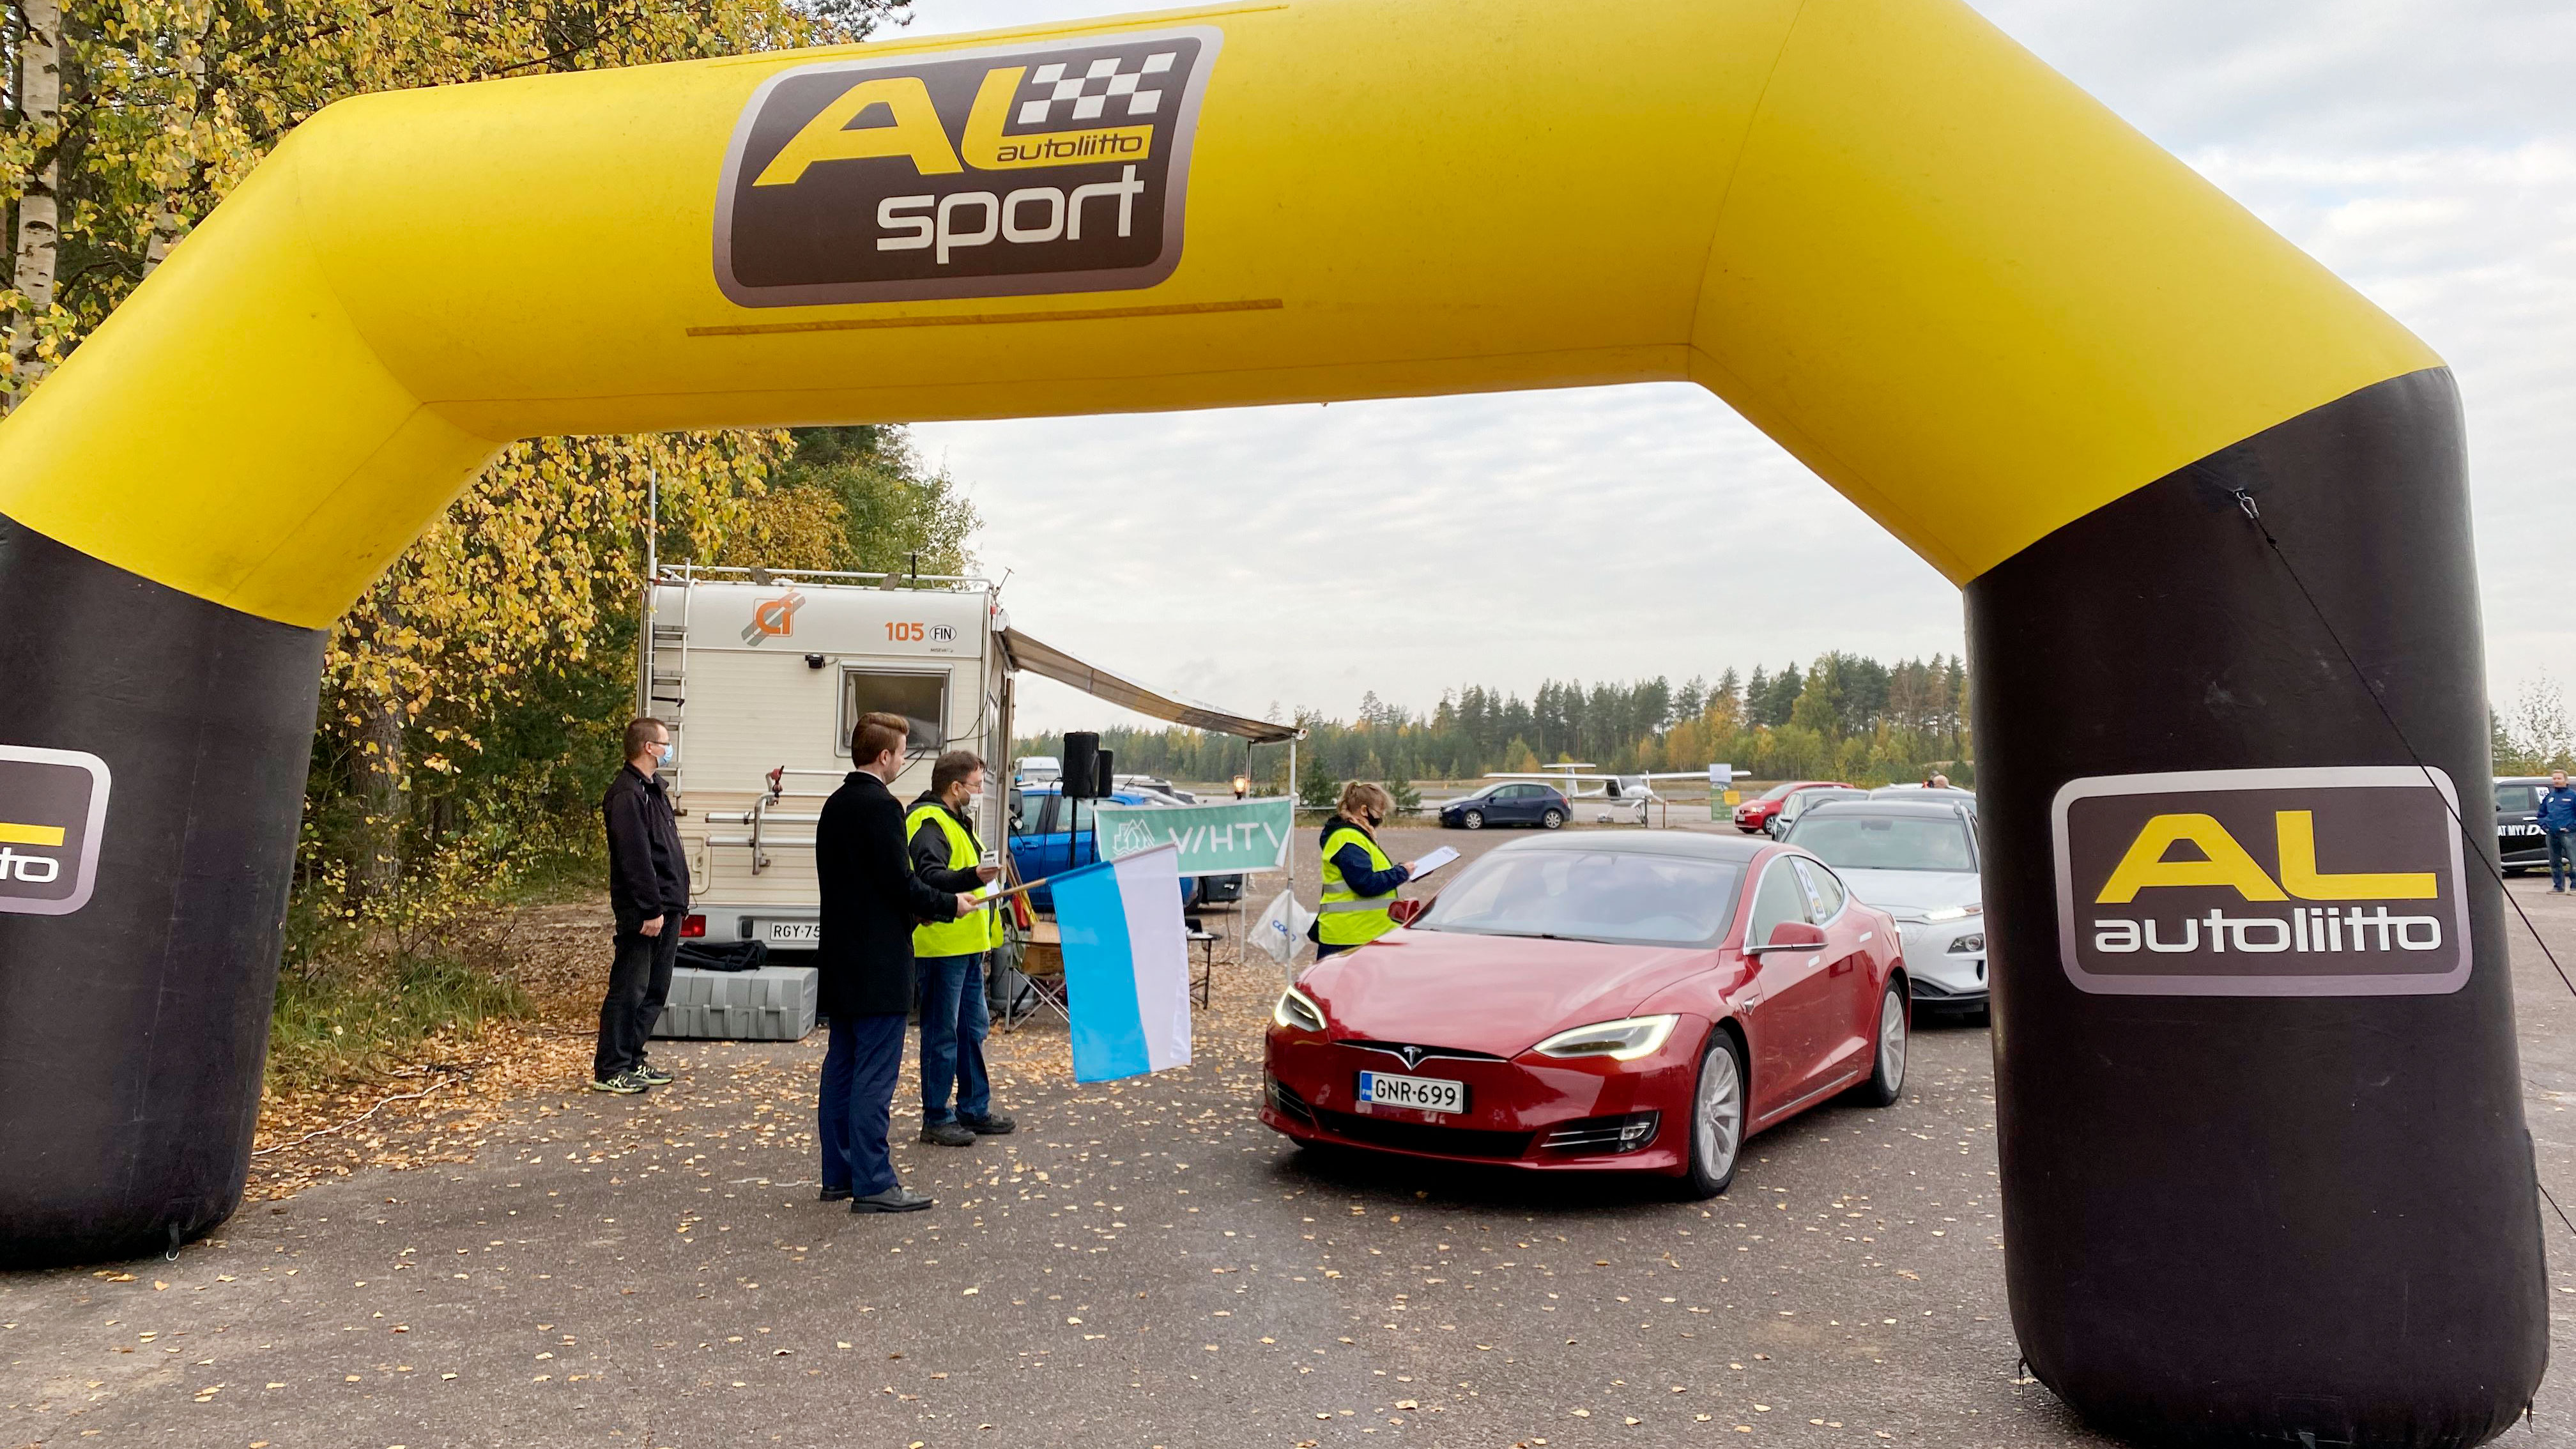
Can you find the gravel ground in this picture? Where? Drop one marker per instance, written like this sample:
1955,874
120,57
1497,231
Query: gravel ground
1143,1264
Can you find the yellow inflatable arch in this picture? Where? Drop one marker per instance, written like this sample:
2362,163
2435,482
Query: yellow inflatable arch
2058,364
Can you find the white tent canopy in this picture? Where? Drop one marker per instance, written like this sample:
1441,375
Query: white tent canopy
1046,660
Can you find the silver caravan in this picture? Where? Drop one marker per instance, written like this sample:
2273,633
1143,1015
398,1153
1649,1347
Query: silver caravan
761,676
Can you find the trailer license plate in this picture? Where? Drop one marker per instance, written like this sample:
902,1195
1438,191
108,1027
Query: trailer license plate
1422,1094
792,933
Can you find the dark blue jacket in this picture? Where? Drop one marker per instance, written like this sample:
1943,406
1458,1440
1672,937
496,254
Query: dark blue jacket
1364,879
2558,809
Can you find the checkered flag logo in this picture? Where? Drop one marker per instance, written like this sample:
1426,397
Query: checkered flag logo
1088,95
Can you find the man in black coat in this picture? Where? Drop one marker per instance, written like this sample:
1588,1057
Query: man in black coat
871,901
648,892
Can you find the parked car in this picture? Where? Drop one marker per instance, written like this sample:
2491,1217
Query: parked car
1917,860
1507,802
1050,835
2519,841
1586,1002
1951,796
1800,801
1037,770
1753,817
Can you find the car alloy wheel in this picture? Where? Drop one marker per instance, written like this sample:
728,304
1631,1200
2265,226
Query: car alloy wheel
1717,1118
1473,819
1887,1068
1552,819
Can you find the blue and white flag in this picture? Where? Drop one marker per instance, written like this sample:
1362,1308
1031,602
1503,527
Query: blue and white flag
1126,965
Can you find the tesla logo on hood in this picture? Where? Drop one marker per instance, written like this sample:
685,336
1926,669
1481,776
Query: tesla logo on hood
1411,1056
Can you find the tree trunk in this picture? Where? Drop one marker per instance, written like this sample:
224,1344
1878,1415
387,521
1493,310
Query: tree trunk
40,102
180,173
380,764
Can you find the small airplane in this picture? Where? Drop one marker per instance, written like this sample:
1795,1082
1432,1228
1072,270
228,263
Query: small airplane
1636,790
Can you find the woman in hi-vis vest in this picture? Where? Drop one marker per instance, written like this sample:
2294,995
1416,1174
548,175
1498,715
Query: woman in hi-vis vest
1359,881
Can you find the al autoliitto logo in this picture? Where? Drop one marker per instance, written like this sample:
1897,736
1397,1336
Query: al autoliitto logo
1047,167
53,805
2304,882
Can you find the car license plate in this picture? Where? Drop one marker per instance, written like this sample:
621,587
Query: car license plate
1422,1094
792,933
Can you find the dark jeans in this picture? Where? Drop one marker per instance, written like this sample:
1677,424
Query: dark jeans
2562,858
859,1069
639,981
954,1021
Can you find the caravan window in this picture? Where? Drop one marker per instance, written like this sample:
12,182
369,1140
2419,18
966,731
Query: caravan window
919,697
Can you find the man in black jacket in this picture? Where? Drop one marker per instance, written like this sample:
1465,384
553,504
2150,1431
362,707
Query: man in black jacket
871,900
648,892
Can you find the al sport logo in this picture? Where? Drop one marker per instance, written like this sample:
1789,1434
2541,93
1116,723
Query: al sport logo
2304,882
1045,167
53,804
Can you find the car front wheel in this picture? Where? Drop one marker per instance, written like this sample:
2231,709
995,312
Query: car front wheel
1887,1072
1717,1118
1552,819
1473,819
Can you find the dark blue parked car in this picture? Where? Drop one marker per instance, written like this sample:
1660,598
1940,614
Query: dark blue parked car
1507,802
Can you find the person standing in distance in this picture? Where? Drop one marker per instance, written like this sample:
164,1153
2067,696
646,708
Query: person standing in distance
950,954
648,893
2558,823
871,901
1359,881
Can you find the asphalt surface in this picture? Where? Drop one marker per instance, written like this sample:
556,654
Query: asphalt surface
1143,1264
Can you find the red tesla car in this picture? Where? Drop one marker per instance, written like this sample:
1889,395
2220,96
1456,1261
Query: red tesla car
1755,813
1591,1001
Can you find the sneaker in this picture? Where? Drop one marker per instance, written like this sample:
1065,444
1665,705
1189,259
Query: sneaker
892,1200
652,1076
991,1124
623,1084
947,1134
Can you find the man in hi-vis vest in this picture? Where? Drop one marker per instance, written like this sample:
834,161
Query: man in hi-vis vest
947,856
1359,881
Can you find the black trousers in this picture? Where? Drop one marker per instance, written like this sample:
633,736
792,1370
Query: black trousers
639,980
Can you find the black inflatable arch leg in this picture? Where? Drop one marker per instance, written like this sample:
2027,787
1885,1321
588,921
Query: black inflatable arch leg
141,1023
2263,1219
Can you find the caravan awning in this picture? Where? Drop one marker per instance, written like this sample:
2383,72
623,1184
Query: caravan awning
1026,653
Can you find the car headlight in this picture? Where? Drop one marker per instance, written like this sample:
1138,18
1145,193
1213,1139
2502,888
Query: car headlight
1953,913
1297,1011
1624,1040
1973,942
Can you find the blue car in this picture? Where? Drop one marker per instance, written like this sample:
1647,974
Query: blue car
1507,802
1051,835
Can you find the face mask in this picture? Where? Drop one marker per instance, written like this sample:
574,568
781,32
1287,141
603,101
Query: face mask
662,754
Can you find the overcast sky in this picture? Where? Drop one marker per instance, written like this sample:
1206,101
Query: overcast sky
2424,149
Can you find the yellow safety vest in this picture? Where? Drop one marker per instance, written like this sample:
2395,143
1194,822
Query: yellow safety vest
1343,918
967,934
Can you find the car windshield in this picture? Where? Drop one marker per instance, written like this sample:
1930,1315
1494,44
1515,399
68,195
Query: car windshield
2515,799
1886,842
1481,792
1590,895
1777,792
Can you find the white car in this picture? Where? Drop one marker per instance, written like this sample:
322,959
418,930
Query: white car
1916,860
1802,801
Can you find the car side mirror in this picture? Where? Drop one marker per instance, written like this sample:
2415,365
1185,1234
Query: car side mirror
1403,913
1793,936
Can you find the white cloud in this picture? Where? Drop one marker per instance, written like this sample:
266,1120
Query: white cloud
2424,149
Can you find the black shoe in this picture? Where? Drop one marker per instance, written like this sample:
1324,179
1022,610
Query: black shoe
991,1124
892,1200
835,1194
947,1134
